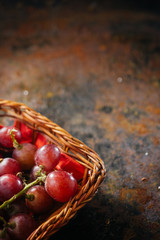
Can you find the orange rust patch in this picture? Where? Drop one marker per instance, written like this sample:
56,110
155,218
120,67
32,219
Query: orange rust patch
138,195
78,50
156,141
103,47
153,109
139,128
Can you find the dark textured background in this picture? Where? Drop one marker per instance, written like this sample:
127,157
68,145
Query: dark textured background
93,67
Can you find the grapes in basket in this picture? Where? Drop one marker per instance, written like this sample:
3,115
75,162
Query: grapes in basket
35,178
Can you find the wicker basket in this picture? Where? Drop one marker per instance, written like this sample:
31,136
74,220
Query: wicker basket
94,173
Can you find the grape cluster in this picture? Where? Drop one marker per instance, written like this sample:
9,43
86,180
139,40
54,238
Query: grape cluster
33,179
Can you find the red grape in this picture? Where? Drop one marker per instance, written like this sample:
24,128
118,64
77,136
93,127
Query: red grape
41,202
25,155
5,137
61,185
24,226
9,185
48,156
9,165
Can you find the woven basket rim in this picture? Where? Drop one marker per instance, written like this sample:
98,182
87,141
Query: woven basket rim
72,146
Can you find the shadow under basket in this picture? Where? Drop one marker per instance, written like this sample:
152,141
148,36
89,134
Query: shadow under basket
94,166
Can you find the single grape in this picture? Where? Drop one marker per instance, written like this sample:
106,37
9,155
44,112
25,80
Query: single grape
23,226
9,185
48,156
41,201
5,136
9,165
61,185
25,155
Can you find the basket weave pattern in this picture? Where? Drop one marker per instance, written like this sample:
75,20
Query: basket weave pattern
94,174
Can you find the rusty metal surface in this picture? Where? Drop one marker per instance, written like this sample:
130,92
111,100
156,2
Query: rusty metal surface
95,71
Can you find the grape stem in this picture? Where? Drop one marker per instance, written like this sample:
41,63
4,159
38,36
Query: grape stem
3,220
23,191
15,143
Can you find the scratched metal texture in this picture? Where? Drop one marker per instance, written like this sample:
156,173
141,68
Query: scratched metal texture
94,69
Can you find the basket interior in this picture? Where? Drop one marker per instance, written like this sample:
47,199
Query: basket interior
94,167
